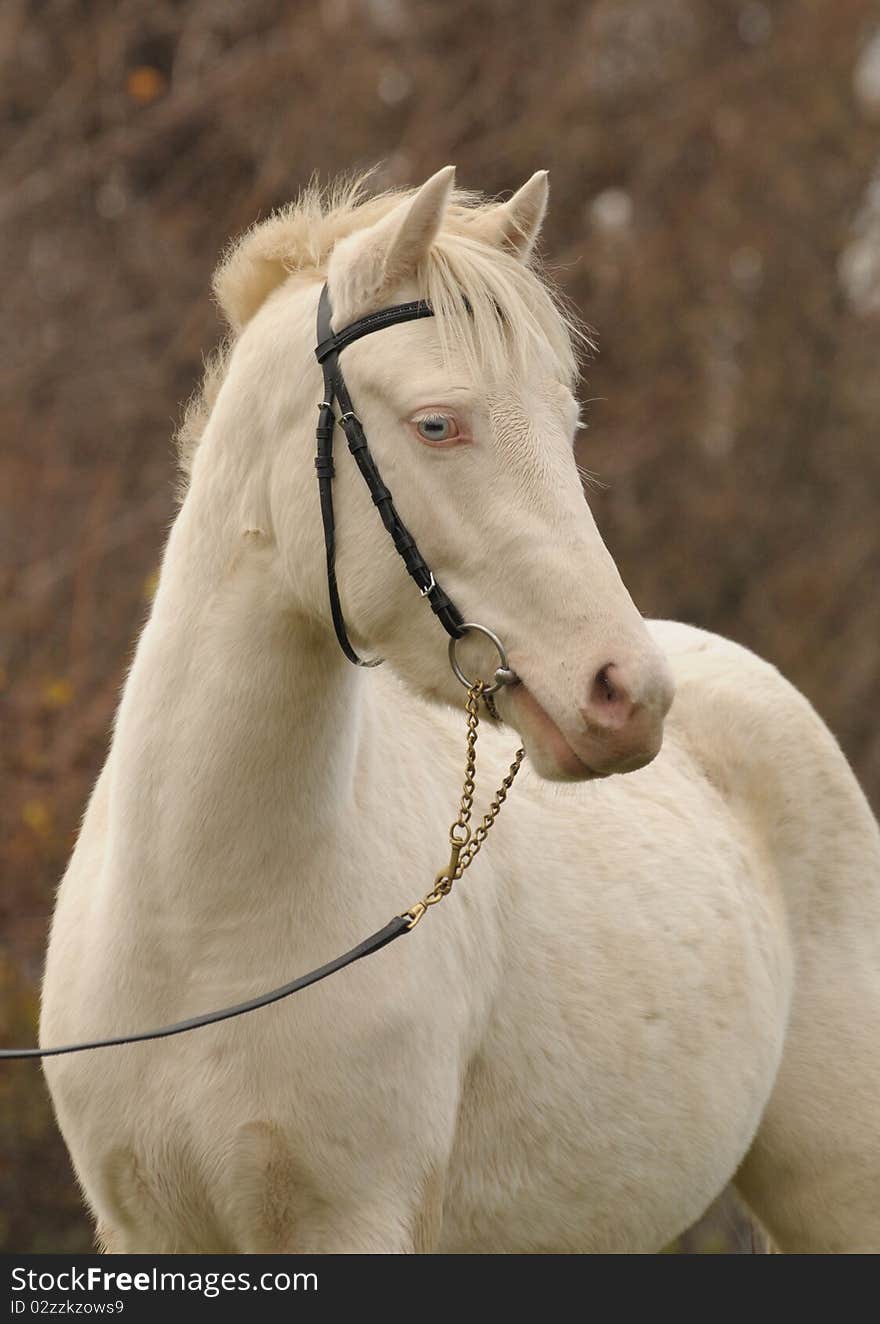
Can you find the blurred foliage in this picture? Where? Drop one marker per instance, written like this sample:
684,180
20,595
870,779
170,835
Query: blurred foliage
715,176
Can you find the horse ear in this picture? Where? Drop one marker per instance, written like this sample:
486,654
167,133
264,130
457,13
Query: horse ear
370,262
514,225
414,231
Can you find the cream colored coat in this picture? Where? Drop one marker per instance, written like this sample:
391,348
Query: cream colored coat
646,986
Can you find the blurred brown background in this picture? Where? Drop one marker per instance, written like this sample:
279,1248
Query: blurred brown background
715,177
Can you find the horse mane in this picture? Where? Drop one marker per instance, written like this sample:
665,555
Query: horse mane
510,306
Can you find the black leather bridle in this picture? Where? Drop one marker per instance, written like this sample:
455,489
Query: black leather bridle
330,346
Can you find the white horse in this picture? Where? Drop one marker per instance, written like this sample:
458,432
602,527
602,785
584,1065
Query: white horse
645,986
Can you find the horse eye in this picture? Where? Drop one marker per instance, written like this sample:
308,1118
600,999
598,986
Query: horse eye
437,427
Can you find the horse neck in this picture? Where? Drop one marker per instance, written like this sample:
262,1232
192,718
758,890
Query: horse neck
240,724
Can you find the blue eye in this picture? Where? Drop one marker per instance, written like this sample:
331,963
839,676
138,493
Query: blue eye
437,427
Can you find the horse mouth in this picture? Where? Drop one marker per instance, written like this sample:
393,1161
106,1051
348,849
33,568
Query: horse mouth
544,740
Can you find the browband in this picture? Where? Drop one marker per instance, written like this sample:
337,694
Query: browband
330,345
401,312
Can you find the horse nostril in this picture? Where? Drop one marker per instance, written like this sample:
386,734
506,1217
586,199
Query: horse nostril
604,691
622,695
623,711
610,704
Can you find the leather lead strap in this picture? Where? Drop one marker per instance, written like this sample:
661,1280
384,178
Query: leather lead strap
381,938
330,345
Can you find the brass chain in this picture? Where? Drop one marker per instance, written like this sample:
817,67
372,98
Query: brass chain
464,842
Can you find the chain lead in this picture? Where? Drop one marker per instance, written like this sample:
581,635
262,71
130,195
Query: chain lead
464,842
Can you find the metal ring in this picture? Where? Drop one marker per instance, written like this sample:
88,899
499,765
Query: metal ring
503,674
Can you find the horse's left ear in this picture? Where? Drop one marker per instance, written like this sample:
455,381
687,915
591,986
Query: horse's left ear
515,225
